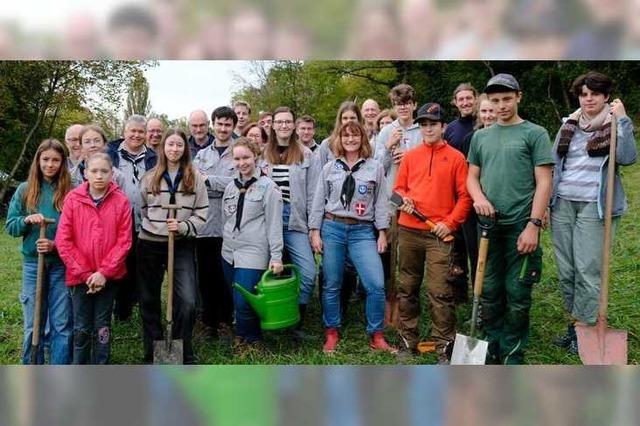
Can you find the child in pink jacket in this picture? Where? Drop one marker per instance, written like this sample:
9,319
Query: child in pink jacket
93,239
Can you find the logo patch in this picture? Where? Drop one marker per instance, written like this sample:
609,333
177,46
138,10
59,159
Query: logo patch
337,166
362,189
360,208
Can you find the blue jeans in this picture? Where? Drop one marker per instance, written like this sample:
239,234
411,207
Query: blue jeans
56,307
358,243
298,248
247,322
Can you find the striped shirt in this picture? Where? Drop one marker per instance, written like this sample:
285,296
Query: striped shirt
280,176
580,177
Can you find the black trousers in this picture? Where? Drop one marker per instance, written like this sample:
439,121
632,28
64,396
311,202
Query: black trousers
127,291
152,262
216,301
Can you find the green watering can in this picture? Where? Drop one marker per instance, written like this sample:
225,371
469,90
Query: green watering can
276,301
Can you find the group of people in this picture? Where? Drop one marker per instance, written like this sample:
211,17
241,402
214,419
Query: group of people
251,196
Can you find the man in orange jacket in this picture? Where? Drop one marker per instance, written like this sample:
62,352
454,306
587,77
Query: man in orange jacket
432,180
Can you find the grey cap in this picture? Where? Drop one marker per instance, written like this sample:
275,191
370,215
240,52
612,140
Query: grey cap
502,80
431,111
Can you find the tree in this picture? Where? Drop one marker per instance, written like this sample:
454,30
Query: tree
138,96
34,93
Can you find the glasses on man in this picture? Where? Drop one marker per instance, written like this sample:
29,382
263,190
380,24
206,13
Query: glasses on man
283,122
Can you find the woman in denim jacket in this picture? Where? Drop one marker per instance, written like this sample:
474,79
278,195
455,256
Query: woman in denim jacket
581,152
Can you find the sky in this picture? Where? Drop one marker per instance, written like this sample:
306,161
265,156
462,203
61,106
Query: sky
178,87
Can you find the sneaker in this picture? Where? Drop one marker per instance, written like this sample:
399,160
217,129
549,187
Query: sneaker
566,340
443,359
331,340
377,343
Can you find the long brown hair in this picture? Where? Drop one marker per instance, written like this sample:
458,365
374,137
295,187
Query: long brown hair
62,181
352,128
188,173
293,154
334,137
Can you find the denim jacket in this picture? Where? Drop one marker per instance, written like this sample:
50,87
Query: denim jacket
626,154
219,170
302,181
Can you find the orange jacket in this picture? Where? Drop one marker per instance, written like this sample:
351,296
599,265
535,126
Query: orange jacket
435,178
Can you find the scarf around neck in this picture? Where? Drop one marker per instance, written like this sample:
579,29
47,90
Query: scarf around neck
599,127
242,188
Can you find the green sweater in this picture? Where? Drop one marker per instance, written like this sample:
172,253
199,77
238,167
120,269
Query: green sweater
16,227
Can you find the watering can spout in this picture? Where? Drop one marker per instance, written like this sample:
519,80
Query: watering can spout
257,301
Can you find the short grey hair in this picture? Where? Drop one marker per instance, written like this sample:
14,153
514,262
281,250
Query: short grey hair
136,119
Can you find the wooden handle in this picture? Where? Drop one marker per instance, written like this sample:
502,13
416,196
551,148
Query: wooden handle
606,244
35,336
170,261
432,225
482,262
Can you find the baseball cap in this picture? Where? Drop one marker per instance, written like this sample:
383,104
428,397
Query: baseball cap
431,111
502,80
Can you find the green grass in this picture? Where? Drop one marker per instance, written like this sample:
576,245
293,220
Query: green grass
548,318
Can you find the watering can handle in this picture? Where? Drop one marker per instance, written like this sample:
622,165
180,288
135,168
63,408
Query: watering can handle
267,274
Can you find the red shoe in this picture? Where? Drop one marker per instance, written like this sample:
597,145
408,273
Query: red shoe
331,340
378,343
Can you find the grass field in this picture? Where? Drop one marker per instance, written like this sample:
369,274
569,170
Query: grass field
547,316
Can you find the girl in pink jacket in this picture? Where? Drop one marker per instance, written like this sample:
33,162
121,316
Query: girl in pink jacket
93,239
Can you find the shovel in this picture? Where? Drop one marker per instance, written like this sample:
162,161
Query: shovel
396,200
35,335
169,351
467,350
600,345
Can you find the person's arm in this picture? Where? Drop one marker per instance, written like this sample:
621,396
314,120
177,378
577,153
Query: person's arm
273,219
317,213
528,239
381,213
481,204
463,201
313,172
116,256
192,226
626,151
16,215
72,258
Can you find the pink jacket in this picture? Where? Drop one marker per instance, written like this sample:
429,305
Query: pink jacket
91,238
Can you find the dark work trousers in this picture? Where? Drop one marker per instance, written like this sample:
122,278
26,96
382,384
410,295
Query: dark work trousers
92,323
152,262
465,255
127,290
216,301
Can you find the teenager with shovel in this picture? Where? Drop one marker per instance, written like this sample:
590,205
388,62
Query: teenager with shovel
40,197
431,180
174,181
581,152
510,171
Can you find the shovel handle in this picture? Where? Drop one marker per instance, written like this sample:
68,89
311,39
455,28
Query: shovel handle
35,335
170,261
479,280
606,243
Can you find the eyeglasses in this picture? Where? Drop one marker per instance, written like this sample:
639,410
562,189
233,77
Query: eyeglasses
92,142
154,131
283,122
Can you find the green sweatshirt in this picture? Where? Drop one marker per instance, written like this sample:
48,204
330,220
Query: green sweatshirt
16,227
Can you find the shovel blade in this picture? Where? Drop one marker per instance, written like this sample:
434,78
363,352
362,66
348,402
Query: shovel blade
168,352
599,345
469,351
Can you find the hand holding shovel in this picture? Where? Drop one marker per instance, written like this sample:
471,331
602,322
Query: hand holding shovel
35,335
397,200
169,351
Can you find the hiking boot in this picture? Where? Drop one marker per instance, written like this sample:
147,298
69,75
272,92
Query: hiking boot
566,340
331,340
378,343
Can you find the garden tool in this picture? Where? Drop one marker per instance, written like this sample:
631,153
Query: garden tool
35,335
468,350
600,345
396,200
169,351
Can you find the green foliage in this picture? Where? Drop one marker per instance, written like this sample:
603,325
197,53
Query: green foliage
138,96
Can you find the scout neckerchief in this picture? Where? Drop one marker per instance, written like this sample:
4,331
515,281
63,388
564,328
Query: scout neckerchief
242,187
173,186
349,184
